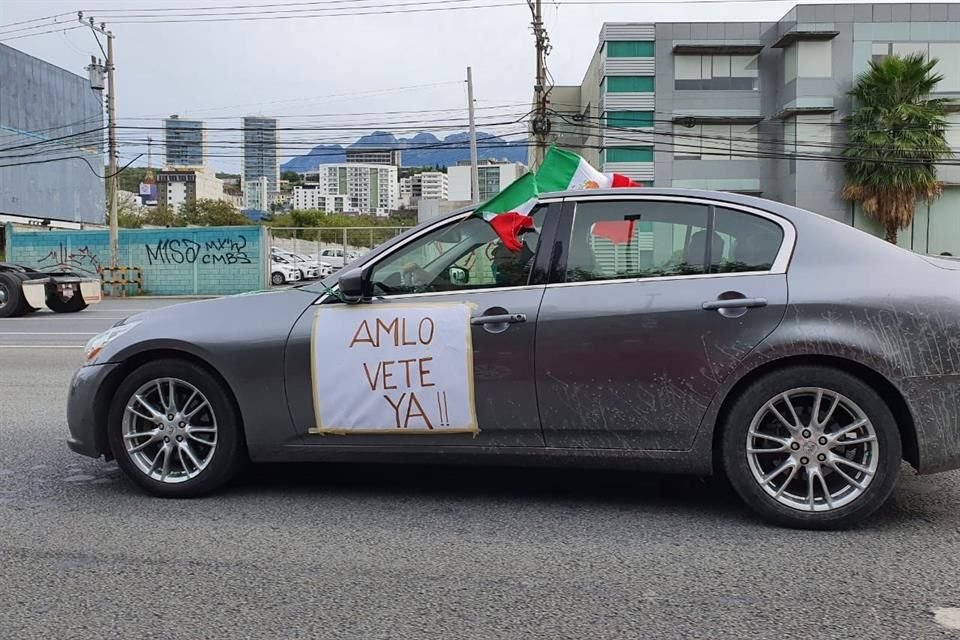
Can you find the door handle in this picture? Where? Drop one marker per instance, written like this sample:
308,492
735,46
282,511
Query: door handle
505,318
734,303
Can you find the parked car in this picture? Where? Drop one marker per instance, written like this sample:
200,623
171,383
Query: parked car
282,272
335,257
650,329
310,268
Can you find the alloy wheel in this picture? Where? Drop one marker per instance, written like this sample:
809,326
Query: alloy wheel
169,430
812,449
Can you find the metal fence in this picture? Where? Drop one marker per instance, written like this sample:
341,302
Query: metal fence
334,245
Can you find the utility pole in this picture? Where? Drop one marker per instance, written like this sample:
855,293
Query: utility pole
474,163
113,179
540,122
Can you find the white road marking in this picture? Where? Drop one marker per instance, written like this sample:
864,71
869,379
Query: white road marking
48,333
948,617
42,346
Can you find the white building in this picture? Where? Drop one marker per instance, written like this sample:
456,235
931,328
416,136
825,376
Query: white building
429,185
494,177
177,187
312,197
257,194
368,188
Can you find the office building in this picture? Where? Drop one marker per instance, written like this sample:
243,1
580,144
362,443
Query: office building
748,106
493,177
185,142
369,188
59,182
177,187
260,162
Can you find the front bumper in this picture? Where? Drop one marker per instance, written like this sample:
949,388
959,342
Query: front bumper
85,414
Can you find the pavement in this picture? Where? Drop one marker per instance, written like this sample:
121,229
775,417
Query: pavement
379,551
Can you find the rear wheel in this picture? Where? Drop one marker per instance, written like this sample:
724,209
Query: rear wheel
12,301
174,430
811,447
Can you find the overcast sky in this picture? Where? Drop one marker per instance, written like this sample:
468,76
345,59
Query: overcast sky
330,66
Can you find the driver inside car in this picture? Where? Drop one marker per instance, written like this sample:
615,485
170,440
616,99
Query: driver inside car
510,268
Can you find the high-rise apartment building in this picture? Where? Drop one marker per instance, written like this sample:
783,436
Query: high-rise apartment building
370,188
428,185
373,155
261,166
184,141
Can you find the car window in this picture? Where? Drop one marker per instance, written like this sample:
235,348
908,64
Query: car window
751,243
464,255
637,239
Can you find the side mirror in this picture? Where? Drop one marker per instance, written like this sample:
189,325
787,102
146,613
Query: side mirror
458,275
352,284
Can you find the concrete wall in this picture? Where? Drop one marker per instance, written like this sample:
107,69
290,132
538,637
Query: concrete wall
40,102
180,261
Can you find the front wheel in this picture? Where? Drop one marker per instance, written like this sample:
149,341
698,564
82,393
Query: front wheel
174,430
277,278
811,447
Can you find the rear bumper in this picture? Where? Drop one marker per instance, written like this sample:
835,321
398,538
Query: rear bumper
85,420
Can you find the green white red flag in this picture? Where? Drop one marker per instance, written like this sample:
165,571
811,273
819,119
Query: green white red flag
566,171
509,211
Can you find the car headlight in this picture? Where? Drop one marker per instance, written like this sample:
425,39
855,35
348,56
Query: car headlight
98,342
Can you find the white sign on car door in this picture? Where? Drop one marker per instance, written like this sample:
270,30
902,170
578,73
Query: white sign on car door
393,368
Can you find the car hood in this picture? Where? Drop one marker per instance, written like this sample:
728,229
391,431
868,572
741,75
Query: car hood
199,326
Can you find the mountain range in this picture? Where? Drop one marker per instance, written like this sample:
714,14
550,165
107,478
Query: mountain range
422,150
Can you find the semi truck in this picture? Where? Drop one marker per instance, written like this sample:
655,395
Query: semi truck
24,290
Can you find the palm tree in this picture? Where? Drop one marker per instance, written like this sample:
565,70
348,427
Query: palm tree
895,136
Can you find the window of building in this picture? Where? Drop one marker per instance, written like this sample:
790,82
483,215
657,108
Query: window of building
625,49
946,53
636,239
715,142
629,119
715,72
627,154
806,137
627,84
808,59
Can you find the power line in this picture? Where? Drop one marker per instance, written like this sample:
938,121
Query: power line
56,15
40,33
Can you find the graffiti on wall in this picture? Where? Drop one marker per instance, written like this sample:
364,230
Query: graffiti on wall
223,250
82,259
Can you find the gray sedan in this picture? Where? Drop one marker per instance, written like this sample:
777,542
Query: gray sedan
653,329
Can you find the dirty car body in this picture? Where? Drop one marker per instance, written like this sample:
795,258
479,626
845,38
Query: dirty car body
664,329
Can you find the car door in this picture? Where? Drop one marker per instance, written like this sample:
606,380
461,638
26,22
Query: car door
643,318
455,261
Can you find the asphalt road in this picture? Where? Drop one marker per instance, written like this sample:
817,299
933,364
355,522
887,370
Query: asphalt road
318,551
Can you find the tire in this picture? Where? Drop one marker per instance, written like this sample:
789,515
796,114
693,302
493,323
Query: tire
277,278
72,305
875,446
219,463
12,301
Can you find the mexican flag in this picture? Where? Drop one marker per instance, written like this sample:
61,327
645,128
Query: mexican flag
565,171
508,212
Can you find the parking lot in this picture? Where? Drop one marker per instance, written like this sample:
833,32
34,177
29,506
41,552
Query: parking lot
369,551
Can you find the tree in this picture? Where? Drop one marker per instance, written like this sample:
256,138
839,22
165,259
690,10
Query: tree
161,216
895,136
211,213
292,177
